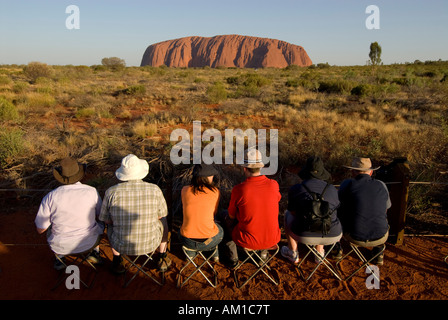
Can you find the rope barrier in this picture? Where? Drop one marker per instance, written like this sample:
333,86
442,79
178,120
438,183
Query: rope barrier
424,235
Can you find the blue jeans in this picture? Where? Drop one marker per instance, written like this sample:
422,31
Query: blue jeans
201,246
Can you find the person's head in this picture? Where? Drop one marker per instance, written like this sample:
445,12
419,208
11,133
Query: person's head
253,162
314,168
132,168
203,175
362,166
69,171
252,172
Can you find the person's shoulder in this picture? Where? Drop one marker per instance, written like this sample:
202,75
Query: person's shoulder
332,188
379,182
345,183
187,191
115,188
151,186
87,187
297,188
271,181
239,186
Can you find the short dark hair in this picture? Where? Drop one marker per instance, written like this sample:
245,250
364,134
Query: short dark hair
253,170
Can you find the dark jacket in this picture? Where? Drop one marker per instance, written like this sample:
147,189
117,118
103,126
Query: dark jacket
297,194
363,210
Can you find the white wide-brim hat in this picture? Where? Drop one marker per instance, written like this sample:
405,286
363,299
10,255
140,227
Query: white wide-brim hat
132,168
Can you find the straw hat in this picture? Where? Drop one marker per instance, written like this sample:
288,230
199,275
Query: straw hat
69,171
253,159
132,168
361,164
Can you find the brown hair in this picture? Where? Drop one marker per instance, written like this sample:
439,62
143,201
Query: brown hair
253,170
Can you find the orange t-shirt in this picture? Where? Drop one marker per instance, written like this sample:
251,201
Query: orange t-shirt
198,213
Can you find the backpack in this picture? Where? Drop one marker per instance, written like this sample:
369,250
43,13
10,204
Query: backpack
316,212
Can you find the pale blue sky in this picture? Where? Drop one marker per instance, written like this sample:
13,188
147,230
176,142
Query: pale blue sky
330,31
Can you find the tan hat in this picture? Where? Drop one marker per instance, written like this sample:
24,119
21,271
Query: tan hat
132,168
69,171
361,164
253,159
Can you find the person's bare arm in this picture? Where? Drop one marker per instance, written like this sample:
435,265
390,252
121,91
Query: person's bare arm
40,231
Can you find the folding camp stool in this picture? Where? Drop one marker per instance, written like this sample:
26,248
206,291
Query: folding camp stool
262,265
355,246
133,262
310,243
77,259
198,255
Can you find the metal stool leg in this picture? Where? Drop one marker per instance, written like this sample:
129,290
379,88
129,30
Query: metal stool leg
250,255
77,260
322,260
133,263
364,260
198,267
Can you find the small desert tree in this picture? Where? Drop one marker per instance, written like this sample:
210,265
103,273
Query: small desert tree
375,54
113,63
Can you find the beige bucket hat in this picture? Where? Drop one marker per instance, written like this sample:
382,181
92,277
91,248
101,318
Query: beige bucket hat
361,164
253,159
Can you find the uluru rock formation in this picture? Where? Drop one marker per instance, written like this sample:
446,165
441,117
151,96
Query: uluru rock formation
225,51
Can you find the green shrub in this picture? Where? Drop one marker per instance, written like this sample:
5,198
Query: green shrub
114,63
325,65
199,80
11,144
98,68
19,87
292,83
292,67
252,79
85,112
361,90
35,70
216,93
8,111
310,80
4,80
337,86
135,90
249,80
408,81
445,77
233,80
249,84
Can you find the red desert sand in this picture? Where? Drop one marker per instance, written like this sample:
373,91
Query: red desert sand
413,270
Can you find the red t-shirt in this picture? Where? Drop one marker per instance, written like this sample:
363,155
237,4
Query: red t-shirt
255,204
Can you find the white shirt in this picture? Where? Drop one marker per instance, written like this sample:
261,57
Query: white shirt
70,210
